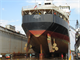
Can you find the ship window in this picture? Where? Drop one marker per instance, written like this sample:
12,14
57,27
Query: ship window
60,16
57,14
47,3
64,18
64,7
67,7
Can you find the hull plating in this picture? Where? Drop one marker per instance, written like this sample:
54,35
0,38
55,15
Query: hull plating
38,28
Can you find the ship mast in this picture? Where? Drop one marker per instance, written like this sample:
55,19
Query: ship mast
49,0
35,2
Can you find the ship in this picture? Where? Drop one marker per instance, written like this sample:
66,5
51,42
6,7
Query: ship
47,28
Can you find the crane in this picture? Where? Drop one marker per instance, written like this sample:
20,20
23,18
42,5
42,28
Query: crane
77,24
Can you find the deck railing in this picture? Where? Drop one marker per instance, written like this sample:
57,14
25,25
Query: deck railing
38,7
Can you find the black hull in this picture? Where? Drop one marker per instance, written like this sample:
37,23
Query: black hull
51,24
45,26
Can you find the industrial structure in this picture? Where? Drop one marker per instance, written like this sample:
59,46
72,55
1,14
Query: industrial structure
11,41
77,38
77,44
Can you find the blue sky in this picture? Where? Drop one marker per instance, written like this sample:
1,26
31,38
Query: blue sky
10,12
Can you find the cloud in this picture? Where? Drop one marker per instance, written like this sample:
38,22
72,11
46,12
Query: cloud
2,8
6,22
13,21
17,20
74,4
19,28
35,2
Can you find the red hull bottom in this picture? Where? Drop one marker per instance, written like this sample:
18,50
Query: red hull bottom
37,37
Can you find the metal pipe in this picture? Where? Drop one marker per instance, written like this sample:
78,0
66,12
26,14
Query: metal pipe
10,44
21,45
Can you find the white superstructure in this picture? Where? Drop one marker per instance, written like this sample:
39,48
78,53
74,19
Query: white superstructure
48,8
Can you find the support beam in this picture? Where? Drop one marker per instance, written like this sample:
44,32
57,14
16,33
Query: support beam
41,53
49,42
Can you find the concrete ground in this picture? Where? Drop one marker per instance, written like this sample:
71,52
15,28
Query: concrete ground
33,59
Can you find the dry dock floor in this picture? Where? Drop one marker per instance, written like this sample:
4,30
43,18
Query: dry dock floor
33,59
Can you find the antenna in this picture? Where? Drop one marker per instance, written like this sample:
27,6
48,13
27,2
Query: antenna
44,1
77,24
35,2
0,24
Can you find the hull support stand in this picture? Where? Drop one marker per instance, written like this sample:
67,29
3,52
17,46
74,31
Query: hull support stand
41,54
28,44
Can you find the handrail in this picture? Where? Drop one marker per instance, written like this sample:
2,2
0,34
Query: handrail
44,7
